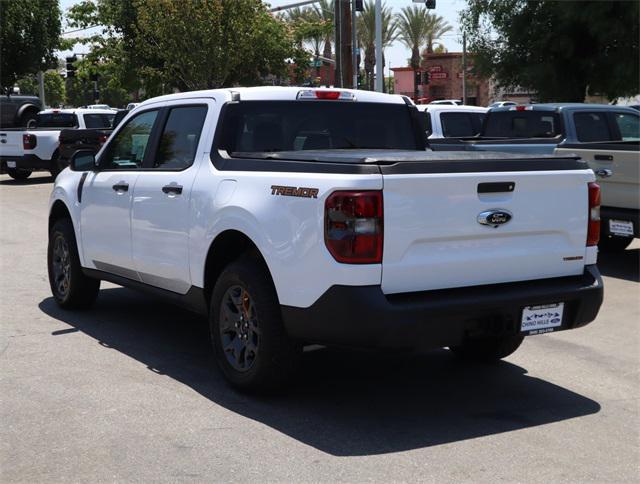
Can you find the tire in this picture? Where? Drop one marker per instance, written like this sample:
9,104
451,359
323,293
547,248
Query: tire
57,165
19,173
613,243
251,346
488,349
70,287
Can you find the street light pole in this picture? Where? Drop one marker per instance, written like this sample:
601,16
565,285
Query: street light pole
379,68
464,68
354,45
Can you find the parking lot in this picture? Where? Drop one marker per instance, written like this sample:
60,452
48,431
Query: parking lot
128,392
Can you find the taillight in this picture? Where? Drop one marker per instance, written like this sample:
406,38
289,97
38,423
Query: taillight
593,231
29,141
353,230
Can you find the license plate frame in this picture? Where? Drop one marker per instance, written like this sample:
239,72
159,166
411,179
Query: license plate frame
621,228
542,318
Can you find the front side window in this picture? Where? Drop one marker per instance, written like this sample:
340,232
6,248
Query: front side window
629,126
180,138
128,148
99,121
592,127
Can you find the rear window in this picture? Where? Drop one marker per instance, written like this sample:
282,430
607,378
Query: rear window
99,121
56,120
260,126
458,125
522,124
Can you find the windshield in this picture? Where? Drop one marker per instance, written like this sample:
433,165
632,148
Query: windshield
259,126
521,124
56,120
98,121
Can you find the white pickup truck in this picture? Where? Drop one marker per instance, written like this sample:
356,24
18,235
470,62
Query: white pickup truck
292,216
23,151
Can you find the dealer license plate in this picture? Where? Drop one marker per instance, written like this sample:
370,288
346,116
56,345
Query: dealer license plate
621,227
541,319
11,164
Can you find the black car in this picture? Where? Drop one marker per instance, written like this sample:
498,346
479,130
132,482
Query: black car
18,111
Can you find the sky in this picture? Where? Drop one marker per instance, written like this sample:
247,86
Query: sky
397,54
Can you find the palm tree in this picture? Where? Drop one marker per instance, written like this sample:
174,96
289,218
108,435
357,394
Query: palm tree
437,28
324,12
413,31
367,36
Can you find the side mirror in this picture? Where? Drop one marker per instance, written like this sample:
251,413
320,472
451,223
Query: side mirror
83,160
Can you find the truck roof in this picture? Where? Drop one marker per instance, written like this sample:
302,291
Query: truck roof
276,93
451,107
78,111
557,107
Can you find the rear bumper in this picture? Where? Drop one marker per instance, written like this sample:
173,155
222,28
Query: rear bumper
27,162
623,214
363,316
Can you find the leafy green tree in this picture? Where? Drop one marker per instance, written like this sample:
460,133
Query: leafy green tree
562,50
29,35
54,87
367,36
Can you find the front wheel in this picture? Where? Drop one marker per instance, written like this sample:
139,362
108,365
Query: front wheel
251,345
488,349
19,173
70,287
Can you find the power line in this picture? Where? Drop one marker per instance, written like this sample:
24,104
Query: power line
80,30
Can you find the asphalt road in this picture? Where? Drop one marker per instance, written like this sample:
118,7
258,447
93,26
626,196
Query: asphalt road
127,392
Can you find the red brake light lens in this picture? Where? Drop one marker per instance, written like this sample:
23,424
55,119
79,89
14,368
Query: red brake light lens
328,94
593,230
353,226
29,141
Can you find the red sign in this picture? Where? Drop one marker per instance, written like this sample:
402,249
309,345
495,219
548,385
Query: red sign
435,69
438,75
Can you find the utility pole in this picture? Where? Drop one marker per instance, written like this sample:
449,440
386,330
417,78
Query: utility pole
354,45
41,87
345,37
464,68
338,41
379,68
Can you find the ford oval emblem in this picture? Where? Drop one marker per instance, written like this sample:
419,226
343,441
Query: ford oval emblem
493,218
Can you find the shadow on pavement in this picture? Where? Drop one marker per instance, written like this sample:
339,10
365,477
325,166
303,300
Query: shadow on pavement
345,403
621,265
32,180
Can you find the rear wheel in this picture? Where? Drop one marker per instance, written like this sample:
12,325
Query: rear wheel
69,286
488,349
19,173
251,345
614,243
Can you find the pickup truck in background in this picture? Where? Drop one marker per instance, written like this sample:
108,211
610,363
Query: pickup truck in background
541,128
18,111
617,166
290,216
23,151
91,138
452,121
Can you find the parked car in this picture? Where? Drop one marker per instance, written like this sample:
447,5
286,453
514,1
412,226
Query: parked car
292,216
541,128
617,166
23,151
447,121
501,104
18,111
71,140
451,102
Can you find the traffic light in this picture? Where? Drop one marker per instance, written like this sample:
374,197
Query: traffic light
418,77
359,6
430,4
425,77
71,69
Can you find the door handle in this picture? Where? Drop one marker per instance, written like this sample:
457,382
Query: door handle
121,187
604,173
603,157
172,189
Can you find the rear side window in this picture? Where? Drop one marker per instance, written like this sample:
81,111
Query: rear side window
56,120
628,125
427,123
180,138
98,121
458,125
522,124
127,150
592,127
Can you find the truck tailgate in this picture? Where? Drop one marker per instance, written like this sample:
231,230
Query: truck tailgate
11,143
433,239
